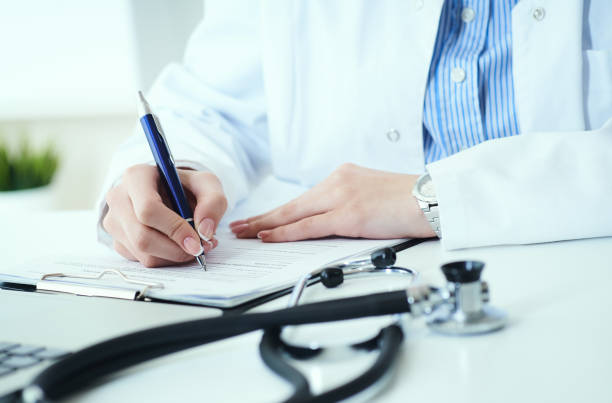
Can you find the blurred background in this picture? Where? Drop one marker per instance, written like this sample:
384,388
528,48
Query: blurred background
68,77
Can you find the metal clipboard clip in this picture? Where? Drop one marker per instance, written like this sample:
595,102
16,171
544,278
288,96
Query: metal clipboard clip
96,291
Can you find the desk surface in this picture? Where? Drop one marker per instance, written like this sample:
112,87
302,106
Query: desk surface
556,347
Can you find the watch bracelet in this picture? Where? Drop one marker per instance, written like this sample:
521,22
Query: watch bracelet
432,215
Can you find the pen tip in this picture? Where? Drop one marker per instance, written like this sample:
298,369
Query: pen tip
202,261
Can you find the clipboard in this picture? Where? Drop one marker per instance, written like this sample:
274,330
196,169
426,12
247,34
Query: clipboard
163,286
46,285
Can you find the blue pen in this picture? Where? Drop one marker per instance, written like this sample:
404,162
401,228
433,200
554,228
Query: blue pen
165,165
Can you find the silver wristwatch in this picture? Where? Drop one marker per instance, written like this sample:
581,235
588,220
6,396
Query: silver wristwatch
425,194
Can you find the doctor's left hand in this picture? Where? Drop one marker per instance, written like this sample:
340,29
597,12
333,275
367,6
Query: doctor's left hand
352,202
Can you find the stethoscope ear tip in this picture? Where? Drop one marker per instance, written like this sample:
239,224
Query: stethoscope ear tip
332,277
384,258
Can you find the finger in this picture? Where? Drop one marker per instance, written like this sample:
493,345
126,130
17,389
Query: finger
153,261
123,251
211,202
120,241
141,241
317,226
239,226
150,210
112,226
309,204
117,202
236,223
145,241
210,244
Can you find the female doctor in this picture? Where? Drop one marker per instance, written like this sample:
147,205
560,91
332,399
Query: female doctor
502,105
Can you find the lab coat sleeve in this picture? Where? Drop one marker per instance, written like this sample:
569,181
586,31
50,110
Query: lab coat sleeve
211,106
536,187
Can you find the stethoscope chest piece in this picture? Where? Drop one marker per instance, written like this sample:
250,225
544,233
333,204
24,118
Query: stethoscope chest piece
466,311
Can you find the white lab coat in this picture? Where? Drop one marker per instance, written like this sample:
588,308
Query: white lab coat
299,87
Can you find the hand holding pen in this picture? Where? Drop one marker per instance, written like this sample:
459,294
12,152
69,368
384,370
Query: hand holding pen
169,177
146,229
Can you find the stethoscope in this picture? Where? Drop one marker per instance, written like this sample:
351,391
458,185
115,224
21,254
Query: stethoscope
459,307
464,313
274,348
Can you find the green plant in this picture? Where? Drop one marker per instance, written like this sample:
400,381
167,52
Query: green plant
26,168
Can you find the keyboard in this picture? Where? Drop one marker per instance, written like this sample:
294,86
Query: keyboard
20,362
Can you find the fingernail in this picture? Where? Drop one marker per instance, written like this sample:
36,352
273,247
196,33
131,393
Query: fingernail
239,228
206,228
237,222
210,245
263,234
194,247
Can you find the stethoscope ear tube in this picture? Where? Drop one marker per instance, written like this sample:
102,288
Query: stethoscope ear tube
83,367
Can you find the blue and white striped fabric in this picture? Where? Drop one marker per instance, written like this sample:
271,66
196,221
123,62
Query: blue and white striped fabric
470,96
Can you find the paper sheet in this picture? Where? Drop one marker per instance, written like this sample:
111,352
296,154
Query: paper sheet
236,268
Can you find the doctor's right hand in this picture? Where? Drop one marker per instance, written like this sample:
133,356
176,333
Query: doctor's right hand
145,229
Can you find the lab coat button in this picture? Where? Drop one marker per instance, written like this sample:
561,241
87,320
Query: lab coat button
539,13
467,15
393,135
458,75
419,4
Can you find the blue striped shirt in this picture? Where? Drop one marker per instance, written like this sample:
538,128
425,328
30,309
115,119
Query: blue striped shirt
470,92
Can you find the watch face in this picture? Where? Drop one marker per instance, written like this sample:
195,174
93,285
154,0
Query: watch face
425,189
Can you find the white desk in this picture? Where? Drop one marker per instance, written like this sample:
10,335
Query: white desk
557,347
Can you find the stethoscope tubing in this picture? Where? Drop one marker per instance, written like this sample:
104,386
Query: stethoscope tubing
271,349
81,368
